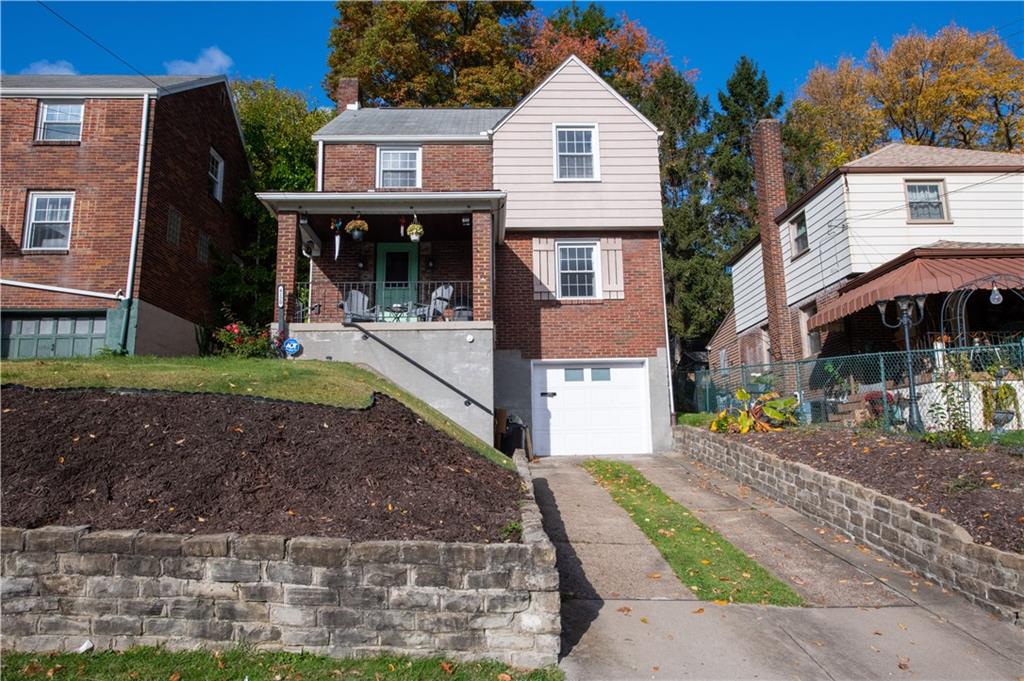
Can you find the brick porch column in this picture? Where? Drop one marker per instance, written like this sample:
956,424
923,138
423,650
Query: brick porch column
483,265
287,251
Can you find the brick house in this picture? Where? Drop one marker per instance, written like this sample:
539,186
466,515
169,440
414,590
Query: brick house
536,286
905,220
118,195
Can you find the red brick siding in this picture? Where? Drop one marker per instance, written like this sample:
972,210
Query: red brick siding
446,167
101,170
185,126
287,251
548,329
725,337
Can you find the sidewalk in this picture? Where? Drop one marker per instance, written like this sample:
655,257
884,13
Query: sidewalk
626,616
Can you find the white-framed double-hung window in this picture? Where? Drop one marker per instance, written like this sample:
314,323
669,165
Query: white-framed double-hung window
926,201
48,221
215,173
576,152
59,121
399,168
579,269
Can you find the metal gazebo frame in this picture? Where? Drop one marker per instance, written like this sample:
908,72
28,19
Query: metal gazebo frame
954,308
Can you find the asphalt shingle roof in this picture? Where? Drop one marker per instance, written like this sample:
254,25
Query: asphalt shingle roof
415,122
910,155
97,82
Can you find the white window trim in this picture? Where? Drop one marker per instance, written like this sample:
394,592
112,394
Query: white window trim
419,166
946,218
219,194
596,244
595,143
792,235
30,211
41,116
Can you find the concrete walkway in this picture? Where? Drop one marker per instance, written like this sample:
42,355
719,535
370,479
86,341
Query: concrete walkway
626,616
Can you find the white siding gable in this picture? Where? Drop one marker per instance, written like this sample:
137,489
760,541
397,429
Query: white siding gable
628,194
984,207
827,259
748,291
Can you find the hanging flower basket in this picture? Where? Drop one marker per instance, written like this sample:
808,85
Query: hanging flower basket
415,231
357,228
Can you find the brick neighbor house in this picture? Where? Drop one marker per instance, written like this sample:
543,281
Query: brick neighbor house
118,194
536,287
905,220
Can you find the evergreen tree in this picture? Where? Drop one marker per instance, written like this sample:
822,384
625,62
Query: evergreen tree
746,99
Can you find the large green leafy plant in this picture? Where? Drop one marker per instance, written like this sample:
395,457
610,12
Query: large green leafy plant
766,412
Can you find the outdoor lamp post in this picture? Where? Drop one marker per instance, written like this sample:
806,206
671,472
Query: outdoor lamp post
905,304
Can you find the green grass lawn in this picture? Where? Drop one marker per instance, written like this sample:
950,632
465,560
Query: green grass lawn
698,420
334,383
701,558
154,664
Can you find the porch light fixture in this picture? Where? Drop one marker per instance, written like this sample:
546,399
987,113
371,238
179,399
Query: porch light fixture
996,298
401,225
467,220
905,305
360,263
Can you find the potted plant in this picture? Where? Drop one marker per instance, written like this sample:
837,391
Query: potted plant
415,231
357,228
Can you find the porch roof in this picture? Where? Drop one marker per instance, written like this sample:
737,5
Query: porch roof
938,268
382,203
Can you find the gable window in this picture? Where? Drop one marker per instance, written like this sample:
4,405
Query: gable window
215,174
203,248
578,269
173,225
398,168
576,156
48,222
925,201
59,121
799,230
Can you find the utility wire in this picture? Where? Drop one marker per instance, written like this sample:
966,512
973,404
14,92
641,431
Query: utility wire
100,45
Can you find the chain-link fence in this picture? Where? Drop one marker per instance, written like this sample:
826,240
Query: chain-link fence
973,389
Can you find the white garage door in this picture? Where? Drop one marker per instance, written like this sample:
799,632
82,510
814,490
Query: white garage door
591,408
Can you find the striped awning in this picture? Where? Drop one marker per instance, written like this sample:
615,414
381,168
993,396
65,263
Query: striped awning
924,271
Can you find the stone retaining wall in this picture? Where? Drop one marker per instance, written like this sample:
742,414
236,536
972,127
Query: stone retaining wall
930,544
119,588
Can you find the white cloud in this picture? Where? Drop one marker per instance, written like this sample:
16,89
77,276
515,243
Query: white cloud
210,61
45,67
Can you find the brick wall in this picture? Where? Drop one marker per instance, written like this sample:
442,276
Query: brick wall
101,170
185,126
539,329
446,167
483,267
287,260
925,542
117,588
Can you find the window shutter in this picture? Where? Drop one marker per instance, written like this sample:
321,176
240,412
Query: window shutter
611,269
544,271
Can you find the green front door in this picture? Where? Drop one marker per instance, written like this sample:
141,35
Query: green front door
397,270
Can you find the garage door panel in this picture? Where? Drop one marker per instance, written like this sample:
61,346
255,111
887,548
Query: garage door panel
34,335
597,408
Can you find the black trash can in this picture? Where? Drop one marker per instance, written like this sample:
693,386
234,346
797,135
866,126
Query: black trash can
514,436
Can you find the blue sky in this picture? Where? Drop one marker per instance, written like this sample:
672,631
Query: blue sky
288,40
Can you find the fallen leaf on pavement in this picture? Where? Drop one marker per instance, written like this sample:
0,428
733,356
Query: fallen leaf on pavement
654,575
698,611
644,620
720,601
625,610
904,663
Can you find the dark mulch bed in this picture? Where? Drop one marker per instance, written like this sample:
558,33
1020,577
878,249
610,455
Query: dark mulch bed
213,463
982,491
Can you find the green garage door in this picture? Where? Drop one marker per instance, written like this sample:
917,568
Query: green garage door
60,335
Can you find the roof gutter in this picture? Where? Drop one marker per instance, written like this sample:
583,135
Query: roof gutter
479,138
329,203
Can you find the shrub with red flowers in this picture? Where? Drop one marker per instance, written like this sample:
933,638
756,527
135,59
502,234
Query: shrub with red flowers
240,340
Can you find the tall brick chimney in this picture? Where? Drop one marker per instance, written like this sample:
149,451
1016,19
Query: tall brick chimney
346,94
770,185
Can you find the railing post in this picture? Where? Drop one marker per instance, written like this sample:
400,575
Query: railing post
885,392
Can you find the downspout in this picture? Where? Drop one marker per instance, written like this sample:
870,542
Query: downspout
664,316
61,289
136,220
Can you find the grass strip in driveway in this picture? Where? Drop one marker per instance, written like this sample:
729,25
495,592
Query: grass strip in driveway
337,384
703,560
154,663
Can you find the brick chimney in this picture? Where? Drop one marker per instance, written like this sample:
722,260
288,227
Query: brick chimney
770,185
346,94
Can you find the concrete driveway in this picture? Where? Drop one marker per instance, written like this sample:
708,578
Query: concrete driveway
626,616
